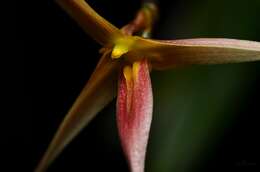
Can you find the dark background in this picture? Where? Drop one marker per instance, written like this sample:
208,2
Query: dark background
58,58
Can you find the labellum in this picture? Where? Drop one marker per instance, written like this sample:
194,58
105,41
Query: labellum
134,112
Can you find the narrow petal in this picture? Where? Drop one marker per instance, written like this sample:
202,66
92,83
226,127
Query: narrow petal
98,92
134,113
95,25
166,54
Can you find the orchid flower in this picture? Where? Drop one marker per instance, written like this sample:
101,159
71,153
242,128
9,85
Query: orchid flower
129,60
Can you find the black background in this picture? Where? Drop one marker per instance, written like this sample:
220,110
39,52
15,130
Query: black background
58,58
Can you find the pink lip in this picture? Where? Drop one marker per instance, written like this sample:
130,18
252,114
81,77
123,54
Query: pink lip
134,113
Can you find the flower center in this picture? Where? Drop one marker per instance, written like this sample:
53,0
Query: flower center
122,46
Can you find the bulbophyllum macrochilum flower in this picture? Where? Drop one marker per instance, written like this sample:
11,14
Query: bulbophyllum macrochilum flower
124,69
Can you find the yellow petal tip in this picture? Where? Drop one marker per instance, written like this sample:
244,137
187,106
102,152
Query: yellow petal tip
122,46
119,50
136,67
127,73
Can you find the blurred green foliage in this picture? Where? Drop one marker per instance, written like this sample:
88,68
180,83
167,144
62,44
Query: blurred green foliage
193,106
